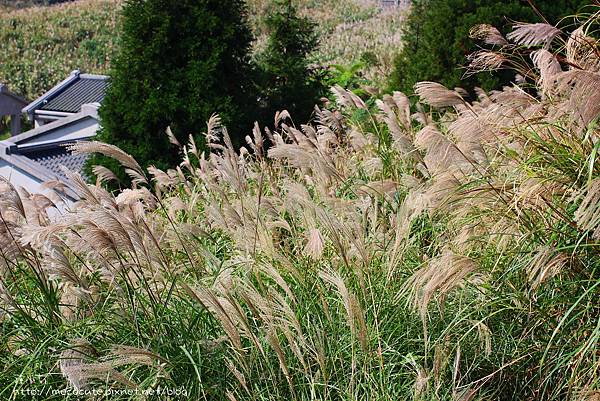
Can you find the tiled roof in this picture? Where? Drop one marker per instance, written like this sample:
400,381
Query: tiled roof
39,153
55,157
82,91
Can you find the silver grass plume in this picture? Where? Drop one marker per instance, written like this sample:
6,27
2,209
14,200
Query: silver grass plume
437,95
488,34
533,34
108,150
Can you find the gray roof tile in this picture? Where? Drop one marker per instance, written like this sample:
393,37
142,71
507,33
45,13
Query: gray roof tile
58,156
80,92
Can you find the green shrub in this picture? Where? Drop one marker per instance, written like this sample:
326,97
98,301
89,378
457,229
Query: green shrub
179,62
287,81
348,77
437,43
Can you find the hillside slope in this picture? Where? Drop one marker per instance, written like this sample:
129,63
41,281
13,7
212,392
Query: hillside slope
349,30
450,254
39,46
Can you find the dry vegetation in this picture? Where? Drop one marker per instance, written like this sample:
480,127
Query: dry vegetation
449,254
349,30
379,36
39,46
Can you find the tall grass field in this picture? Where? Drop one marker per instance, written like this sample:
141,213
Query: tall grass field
442,250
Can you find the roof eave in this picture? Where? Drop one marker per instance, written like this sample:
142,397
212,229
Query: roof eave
39,172
86,112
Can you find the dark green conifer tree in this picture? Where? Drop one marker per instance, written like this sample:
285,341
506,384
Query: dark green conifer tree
287,81
178,63
437,43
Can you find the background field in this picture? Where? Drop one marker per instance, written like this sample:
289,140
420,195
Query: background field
40,45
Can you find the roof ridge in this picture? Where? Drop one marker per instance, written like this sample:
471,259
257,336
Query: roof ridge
94,76
84,113
54,91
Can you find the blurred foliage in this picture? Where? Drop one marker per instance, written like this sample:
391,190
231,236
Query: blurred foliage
348,76
40,45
